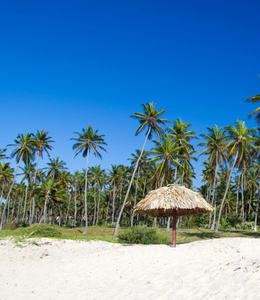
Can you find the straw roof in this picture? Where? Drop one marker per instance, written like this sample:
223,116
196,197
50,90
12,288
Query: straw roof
163,201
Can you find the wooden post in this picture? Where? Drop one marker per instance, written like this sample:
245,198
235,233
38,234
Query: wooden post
174,228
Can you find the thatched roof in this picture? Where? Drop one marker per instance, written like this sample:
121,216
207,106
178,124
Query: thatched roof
163,201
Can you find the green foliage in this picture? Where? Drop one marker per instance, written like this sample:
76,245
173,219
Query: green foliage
249,225
224,224
41,230
141,235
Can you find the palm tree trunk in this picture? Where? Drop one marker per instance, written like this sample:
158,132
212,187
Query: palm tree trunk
225,195
242,198
256,210
45,209
235,222
25,200
95,206
85,198
136,187
130,184
75,206
9,193
2,193
67,214
113,203
34,181
210,202
98,205
214,196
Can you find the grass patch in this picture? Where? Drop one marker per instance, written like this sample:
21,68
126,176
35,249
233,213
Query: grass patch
102,233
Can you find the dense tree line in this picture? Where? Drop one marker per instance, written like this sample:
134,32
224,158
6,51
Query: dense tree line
231,176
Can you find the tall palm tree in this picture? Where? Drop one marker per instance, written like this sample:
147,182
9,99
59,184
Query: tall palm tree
215,142
114,179
165,152
51,191
28,172
240,141
88,140
55,168
141,167
24,151
6,174
181,136
150,120
41,142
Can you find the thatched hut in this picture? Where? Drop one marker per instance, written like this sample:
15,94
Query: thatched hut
173,201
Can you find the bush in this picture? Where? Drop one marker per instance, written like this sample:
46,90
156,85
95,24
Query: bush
141,235
41,230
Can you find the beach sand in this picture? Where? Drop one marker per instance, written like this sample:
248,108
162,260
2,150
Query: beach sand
66,269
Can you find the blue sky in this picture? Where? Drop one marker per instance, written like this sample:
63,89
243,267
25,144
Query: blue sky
67,64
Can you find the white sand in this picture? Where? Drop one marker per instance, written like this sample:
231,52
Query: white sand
59,269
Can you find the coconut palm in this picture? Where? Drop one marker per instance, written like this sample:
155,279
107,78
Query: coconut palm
24,151
181,136
2,154
150,120
41,142
256,112
141,167
165,153
6,174
215,142
27,173
88,140
51,191
55,167
240,141
114,179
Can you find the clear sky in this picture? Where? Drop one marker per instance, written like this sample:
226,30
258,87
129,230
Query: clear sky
67,64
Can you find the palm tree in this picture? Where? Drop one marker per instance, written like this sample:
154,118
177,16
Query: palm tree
165,152
51,191
150,118
2,154
181,136
55,168
6,174
256,112
41,142
95,173
240,141
28,172
113,179
23,152
215,142
86,141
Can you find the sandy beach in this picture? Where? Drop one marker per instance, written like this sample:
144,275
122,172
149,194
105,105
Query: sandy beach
66,269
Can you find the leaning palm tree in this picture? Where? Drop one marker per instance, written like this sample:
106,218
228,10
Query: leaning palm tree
150,118
240,141
85,142
24,152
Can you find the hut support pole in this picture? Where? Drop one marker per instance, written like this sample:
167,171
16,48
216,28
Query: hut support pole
174,228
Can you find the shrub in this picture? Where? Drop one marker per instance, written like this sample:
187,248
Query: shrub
141,235
41,230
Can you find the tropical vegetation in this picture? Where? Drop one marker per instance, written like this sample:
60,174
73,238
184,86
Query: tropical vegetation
97,197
